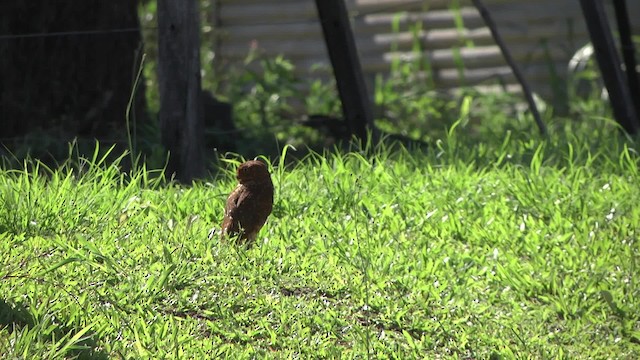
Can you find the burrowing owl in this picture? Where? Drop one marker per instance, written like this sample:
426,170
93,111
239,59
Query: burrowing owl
249,205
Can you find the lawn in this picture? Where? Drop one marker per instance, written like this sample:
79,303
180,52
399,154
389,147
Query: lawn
505,248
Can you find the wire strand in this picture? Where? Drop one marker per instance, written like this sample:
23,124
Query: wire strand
69,33
353,15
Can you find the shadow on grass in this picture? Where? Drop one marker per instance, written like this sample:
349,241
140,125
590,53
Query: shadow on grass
17,316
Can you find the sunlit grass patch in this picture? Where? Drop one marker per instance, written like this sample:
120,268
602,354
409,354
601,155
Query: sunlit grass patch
507,248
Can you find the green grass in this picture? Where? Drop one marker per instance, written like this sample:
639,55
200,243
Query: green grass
503,248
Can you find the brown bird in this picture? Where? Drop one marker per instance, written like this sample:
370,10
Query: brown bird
249,205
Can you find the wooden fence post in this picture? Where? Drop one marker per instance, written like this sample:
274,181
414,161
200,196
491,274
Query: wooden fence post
181,120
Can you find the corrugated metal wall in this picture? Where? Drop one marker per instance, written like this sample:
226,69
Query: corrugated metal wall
541,34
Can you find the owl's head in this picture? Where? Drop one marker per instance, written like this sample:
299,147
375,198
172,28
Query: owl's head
253,171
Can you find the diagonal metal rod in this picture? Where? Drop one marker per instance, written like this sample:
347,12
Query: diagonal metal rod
338,36
609,64
628,51
484,12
